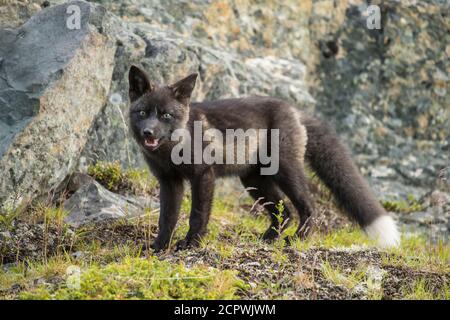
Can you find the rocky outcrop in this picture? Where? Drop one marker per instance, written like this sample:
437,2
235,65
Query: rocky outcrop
92,203
54,80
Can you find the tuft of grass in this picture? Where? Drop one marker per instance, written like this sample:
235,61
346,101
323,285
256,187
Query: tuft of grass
8,216
141,181
114,178
50,215
374,289
137,278
340,278
109,174
421,290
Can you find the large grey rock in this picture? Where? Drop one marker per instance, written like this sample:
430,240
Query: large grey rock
53,82
92,203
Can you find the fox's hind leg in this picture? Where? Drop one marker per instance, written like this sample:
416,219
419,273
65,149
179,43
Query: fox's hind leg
292,181
264,190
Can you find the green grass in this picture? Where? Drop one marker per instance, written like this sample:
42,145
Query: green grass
118,272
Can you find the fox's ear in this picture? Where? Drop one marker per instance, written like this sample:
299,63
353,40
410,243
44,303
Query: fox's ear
182,89
138,83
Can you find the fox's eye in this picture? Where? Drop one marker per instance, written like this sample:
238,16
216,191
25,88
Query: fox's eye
167,116
142,113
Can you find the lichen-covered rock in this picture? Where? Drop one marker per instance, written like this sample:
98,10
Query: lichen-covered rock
93,203
386,90
13,12
54,80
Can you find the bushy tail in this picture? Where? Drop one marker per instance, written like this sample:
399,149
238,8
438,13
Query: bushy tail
331,161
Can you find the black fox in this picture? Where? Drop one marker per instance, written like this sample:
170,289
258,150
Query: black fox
158,111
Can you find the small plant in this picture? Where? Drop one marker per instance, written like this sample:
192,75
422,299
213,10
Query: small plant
7,219
279,216
109,174
278,254
140,181
50,215
114,178
10,214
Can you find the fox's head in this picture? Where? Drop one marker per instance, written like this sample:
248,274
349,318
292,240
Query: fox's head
156,111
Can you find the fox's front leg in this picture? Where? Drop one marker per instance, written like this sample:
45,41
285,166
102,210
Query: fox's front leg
202,197
171,195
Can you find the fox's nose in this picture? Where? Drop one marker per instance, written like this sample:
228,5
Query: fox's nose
148,132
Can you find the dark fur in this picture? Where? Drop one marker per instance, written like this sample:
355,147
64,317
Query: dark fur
327,156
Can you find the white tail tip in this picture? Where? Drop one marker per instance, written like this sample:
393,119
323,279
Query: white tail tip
384,231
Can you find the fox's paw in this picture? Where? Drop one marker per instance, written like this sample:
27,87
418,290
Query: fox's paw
159,245
187,243
288,241
270,235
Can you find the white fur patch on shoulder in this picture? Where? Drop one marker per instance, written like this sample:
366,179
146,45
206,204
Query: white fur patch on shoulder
302,136
384,231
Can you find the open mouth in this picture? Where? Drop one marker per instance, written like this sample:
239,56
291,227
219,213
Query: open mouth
151,143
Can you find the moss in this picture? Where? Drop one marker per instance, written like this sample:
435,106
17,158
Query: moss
136,278
411,204
24,274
